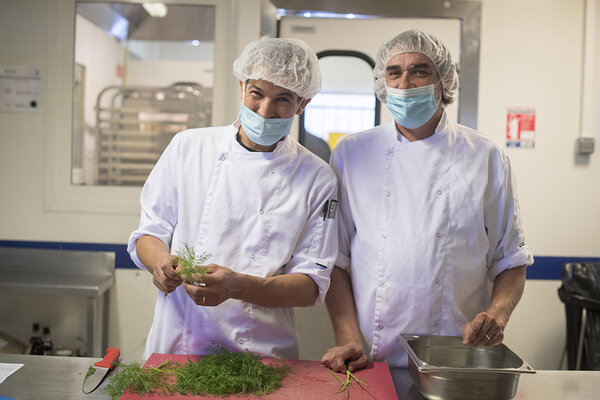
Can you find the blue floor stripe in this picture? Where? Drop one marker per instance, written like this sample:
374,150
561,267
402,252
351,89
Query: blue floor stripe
543,267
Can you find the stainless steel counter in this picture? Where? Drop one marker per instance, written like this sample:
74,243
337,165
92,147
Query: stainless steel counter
51,377
85,274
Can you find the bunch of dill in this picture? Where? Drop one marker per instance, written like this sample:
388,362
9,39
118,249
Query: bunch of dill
224,373
221,373
191,265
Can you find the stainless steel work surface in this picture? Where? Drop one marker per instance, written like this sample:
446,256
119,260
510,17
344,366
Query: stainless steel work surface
56,272
43,283
543,385
49,377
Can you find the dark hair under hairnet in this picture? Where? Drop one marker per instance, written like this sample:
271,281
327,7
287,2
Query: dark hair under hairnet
416,41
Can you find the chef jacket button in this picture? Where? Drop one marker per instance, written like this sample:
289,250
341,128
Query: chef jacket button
200,243
387,194
439,192
189,332
380,327
437,281
384,235
443,151
261,212
381,282
223,157
436,324
240,341
272,171
252,256
437,235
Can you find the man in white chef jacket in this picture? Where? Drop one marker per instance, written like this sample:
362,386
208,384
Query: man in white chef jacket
430,233
251,196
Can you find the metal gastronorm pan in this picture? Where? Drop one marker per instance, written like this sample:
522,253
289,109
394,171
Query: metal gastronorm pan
443,368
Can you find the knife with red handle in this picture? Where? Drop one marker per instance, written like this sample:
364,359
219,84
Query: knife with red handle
96,373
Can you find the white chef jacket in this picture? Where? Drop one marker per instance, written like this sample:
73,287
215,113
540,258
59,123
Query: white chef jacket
259,213
425,228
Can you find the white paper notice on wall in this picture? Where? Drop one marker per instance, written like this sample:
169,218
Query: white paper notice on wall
520,127
19,88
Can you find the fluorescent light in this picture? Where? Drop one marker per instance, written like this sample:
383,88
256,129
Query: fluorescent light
158,10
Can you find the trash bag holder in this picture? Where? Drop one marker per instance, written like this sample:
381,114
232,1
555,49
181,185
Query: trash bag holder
580,289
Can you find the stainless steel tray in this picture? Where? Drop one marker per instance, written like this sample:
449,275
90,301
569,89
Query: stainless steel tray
443,368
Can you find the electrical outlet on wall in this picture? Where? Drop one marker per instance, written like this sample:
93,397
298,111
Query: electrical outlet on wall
585,145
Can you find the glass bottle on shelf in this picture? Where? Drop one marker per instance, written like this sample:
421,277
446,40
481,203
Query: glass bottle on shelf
47,343
35,341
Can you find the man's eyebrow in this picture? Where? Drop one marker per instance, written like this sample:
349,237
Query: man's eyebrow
287,94
254,86
412,66
421,65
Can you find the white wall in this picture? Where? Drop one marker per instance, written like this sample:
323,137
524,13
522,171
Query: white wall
531,55
158,73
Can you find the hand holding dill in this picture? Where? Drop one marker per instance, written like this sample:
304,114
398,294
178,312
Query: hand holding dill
190,265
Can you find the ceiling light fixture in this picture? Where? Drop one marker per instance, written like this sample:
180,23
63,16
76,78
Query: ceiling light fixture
157,10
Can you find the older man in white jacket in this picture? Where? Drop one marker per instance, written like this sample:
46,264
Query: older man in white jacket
258,202
431,240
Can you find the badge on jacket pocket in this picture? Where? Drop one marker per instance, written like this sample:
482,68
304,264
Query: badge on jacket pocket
330,209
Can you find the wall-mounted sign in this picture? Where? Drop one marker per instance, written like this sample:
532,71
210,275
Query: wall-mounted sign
19,88
520,127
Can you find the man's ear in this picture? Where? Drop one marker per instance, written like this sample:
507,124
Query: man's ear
303,104
241,89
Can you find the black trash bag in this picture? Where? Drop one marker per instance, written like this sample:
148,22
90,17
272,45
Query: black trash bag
581,289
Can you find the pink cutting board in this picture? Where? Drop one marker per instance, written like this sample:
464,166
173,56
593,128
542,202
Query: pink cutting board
306,380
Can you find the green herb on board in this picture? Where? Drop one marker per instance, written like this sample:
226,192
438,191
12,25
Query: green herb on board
141,380
221,373
345,385
191,265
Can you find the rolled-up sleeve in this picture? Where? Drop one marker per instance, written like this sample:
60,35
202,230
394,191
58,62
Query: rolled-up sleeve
158,202
508,248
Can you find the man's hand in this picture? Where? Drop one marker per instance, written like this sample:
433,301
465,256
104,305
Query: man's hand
164,276
218,285
351,356
485,330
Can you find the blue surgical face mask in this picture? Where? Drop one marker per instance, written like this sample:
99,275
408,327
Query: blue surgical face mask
411,108
261,130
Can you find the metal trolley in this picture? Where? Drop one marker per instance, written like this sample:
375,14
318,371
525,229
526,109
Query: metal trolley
135,124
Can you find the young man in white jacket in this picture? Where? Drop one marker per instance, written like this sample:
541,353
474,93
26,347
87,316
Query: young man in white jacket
263,207
430,237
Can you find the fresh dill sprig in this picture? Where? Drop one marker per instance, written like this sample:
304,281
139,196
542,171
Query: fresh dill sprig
345,385
191,265
220,373
141,380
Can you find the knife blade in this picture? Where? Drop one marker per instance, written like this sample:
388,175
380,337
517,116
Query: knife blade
96,373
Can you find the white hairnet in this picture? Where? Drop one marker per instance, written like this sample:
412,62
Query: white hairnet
289,63
416,41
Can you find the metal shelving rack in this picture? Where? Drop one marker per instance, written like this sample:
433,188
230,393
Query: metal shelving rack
135,124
